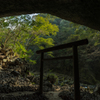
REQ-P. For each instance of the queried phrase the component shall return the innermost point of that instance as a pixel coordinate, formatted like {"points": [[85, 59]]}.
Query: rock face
{"points": [[11, 81], [85, 12]]}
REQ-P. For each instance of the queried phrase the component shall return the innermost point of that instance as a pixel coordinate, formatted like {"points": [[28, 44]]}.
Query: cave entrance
{"points": [[74, 45]]}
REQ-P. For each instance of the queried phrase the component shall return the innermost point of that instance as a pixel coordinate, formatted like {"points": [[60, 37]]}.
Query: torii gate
{"points": [[75, 63]]}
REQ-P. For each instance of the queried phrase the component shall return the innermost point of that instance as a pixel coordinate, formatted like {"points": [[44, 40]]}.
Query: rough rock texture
{"points": [[85, 12], [65, 95], [32, 96], [15, 87], [12, 83], [9, 59]]}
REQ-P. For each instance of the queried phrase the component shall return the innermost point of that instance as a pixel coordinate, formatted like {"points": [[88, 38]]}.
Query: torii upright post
{"points": [[41, 74], [76, 74]]}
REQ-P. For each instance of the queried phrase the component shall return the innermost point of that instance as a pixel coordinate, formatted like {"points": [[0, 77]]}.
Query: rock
{"points": [[26, 79], [31, 78], [97, 89], [15, 73], [4, 82], [36, 80], [0, 67], [48, 84], [71, 82], [88, 96], [56, 88], [65, 95], [45, 88], [65, 81]]}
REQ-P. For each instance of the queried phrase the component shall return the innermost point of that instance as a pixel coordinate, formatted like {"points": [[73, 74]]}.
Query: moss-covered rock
{"points": [[52, 78]]}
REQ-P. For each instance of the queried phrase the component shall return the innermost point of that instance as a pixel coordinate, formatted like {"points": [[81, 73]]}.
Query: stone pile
{"points": [[9, 82], [66, 95], [9, 58]]}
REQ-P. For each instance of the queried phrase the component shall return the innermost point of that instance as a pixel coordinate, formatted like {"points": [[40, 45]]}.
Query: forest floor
{"points": [[14, 87]]}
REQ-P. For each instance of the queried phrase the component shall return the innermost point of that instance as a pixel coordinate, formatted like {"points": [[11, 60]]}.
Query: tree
{"points": [[23, 32]]}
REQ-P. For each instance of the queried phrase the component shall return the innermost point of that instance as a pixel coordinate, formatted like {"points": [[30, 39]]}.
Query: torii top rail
{"points": [[75, 63]]}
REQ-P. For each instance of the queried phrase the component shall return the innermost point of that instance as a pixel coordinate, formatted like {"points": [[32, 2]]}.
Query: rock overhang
{"points": [[84, 12]]}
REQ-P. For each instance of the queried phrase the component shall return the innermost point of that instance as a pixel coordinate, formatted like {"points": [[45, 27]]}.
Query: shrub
{"points": [[52, 78]]}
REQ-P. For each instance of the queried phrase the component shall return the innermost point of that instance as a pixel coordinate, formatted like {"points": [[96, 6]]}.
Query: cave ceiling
{"points": [[84, 12]]}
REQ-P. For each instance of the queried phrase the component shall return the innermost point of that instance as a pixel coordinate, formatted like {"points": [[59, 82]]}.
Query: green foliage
{"points": [[44, 27], [23, 32], [50, 70], [33, 83], [62, 83], [31, 73], [32, 61]]}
